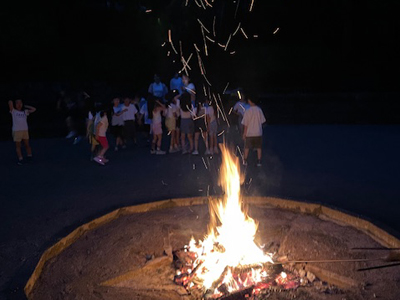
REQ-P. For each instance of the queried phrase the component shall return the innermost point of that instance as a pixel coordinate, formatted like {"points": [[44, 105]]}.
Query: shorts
{"points": [[157, 128], [187, 126], [213, 127], [253, 142], [103, 141], [117, 130], [200, 125], [170, 123], [20, 135]]}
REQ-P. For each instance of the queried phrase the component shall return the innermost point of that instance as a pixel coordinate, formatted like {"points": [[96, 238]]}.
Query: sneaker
{"points": [[116, 148], [20, 162], [99, 160], [77, 140], [195, 152], [71, 134], [160, 152], [259, 163], [152, 151], [244, 162], [207, 152]]}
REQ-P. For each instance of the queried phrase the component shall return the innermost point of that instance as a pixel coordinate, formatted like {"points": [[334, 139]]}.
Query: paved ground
{"points": [[355, 168]]}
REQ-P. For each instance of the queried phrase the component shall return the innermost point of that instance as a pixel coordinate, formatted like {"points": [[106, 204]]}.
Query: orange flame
{"points": [[230, 239]]}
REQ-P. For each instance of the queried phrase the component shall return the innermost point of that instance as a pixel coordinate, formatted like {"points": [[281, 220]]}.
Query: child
{"points": [[117, 123], [101, 130], [212, 127], [253, 119], [200, 128], [187, 125], [20, 127], [239, 109], [157, 128], [171, 115]]}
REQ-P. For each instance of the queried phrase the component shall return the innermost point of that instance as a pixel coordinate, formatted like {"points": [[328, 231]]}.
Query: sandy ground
{"points": [[355, 168], [121, 247]]}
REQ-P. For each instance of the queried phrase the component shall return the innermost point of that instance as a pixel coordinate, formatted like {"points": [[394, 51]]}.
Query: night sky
{"points": [[321, 45]]}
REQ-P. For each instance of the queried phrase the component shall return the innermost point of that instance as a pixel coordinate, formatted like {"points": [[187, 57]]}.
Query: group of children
{"points": [[183, 116]]}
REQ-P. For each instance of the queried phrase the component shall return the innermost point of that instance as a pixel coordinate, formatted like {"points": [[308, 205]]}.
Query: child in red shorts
{"points": [[101, 137]]}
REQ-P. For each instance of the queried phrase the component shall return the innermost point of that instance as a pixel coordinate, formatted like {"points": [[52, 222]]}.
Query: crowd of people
{"points": [[176, 113]]}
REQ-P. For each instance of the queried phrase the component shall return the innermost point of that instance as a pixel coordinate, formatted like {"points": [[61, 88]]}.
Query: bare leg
{"points": [[183, 141], [103, 151], [27, 147], [158, 141], [18, 149], [177, 132], [246, 153], [215, 144], [196, 141], [190, 137], [173, 142], [259, 153], [205, 138], [153, 143]]}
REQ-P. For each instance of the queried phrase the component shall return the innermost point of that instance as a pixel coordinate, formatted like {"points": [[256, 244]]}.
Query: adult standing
{"points": [[158, 89], [189, 88], [117, 123], [129, 117], [176, 83]]}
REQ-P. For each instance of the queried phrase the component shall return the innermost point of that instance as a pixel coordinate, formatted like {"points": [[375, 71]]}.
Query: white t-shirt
{"points": [[253, 119], [19, 119], [104, 126], [241, 107], [117, 120], [129, 115], [211, 113]]}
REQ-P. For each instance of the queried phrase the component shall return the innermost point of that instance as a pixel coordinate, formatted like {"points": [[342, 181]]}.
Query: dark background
{"points": [[330, 61]]}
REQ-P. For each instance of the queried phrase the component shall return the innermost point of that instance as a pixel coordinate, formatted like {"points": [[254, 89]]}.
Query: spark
{"points": [[237, 6], [148, 11], [276, 30], [255, 36], [170, 41], [240, 96], [221, 45], [233, 52], [251, 6], [205, 42], [215, 17], [226, 87], [169, 132], [197, 3], [227, 43], [244, 33], [168, 53], [240, 152], [204, 90], [194, 166], [221, 133], [202, 4], [163, 44], [230, 111], [227, 121], [202, 25], [186, 4], [202, 116], [237, 29], [244, 109], [162, 181], [190, 90], [207, 3], [204, 162], [210, 39], [191, 211], [197, 49], [208, 190]]}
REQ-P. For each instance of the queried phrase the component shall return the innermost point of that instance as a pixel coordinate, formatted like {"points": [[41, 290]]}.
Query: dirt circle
{"points": [[108, 262]]}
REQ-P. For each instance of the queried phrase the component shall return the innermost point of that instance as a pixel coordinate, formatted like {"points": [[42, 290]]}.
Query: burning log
{"points": [[210, 291]]}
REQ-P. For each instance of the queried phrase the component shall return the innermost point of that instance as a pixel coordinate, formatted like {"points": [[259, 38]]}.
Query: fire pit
{"points": [[211, 249]]}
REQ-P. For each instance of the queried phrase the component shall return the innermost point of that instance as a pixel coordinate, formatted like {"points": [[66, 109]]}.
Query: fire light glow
{"points": [[229, 243]]}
